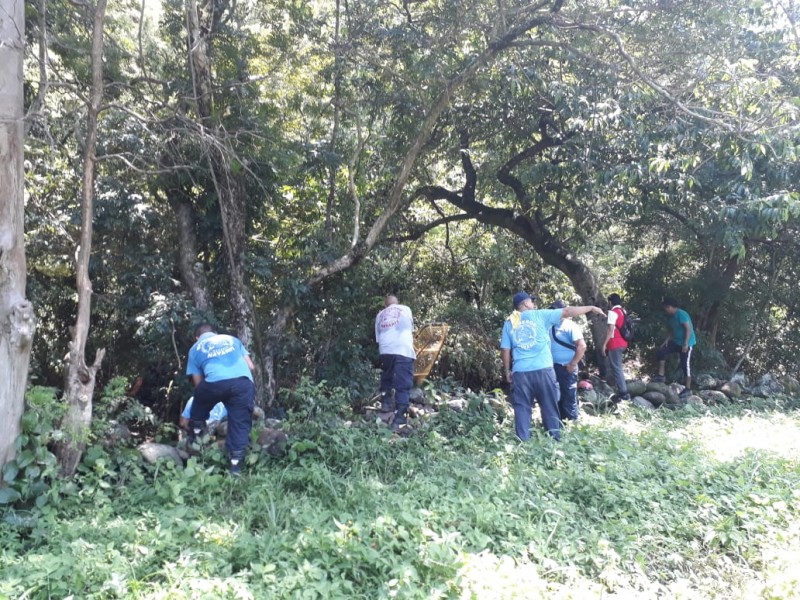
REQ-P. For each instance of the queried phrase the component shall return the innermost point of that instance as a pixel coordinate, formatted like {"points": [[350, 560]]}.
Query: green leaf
{"points": [[8, 495]]}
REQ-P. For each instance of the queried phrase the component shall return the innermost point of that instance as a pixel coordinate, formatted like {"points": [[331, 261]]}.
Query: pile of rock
{"points": [[710, 391]]}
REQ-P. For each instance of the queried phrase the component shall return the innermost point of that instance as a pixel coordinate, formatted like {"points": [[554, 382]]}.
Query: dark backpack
{"points": [[628, 328]]}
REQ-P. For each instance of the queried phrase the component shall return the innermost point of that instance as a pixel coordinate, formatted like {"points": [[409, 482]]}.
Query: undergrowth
{"points": [[635, 503]]}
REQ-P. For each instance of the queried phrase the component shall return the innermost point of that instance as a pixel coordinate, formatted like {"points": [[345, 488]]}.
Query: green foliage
{"points": [[638, 502], [28, 479]]}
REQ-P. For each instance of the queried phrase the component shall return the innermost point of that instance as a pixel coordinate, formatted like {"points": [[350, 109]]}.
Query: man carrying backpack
{"points": [[615, 345], [681, 339], [567, 347]]}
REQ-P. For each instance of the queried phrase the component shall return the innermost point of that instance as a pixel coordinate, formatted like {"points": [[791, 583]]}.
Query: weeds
{"points": [[461, 509]]}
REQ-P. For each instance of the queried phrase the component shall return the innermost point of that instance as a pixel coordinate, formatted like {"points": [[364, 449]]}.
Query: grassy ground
{"points": [[645, 505]]}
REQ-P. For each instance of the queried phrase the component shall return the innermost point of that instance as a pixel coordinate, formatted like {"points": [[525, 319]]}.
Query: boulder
{"points": [[153, 452], [791, 386], [713, 397], [662, 388], [741, 379], [694, 400], [601, 387], [732, 390], [636, 388], [272, 423], [655, 398], [642, 403], [589, 396], [258, 413], [417, 396], [704, 381], [272, 441], [220, 430], [767, 386], [457, 404]]}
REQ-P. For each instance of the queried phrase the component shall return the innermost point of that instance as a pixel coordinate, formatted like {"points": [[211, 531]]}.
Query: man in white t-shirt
{"points": [[394, 332]]}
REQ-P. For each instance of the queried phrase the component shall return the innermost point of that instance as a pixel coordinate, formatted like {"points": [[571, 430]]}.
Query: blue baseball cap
{"points": [[520, 297], [558, 304]]}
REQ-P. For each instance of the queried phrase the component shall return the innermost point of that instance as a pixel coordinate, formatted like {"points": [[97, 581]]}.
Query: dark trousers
{"points": [[672, 347], [529, 387], [238, 396], [568, 388], [397, 373]]}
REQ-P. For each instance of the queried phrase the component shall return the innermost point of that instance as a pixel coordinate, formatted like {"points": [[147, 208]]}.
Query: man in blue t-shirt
{"points": [[221, 371], [568, 347], [525, 341], [681, 338]]}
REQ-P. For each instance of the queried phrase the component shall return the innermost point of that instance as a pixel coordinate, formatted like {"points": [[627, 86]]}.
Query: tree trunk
{"points": [[17, 323], [80, 379], [191, 270], [230, 187]]}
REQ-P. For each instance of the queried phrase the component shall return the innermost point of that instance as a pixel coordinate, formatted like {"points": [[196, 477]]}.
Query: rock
{"points": [[661, 388], [655, 398], [694, 400], [258, 413], [417, 396], [219, 429], [791, 386], [704, 381], [589, 409], [272, 423], [731, 389], [643, 403], [458, 404], [767, 386], [272, 441], [636, 388], [713, 397], [601, 387], [741, 379], [119, 435], [153, 452], [589, 396]]}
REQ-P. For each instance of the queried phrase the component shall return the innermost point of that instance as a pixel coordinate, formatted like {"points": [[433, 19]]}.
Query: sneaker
{"points": [[658, 379], [685, 393], [235, 467]]}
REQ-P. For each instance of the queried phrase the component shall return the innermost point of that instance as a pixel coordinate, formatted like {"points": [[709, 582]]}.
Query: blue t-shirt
{"points": [[218, 413], [676, 322], [569, 332], [218, 357], [529, 342]]}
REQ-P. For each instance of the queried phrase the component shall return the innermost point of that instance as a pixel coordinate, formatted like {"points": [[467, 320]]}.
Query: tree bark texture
{"points": [[191, 270], [17, 322], [80, 378], [231, 190]]}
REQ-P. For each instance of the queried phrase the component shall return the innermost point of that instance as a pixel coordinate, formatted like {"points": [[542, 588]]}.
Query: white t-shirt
{"points": [[394, 331]]}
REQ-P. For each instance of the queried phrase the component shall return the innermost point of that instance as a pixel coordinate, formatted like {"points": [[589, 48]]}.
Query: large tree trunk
{"points": [[230, 187], [80, 378], [17, 323], [192, 271]]}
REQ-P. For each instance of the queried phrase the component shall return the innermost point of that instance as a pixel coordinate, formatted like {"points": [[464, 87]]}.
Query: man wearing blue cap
{"points": [[526, 342], [568, 347]]}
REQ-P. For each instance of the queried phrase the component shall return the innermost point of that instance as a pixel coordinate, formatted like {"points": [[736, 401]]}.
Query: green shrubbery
{"points": [[623, 503]]}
